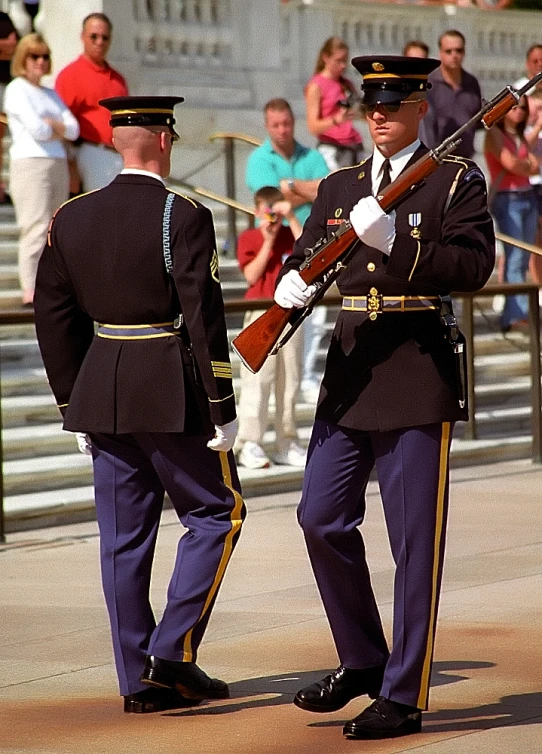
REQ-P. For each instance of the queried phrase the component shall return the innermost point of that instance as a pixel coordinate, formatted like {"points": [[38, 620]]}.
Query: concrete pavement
{"points": [[268, 636]]}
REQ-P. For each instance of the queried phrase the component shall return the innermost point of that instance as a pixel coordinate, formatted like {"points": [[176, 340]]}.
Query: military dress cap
{"points": [[142, 111], [393, 78]]}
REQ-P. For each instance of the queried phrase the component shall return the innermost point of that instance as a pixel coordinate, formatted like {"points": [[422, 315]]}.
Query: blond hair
{"points": [[30, 44]]}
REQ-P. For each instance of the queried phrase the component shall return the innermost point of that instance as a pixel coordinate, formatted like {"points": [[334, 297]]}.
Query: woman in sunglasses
{"points": [[39, 123], [513, 202]]}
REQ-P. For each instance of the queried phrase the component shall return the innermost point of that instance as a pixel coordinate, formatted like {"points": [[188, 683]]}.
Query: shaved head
{"points": [[144, 148]]}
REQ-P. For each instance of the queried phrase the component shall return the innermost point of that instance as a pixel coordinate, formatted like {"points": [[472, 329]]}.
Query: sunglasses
{"points": [[389, 107], [35, 56], [103, 37]]}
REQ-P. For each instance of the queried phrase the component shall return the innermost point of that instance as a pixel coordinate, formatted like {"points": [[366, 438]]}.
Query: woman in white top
{"points": [[39, 123]]}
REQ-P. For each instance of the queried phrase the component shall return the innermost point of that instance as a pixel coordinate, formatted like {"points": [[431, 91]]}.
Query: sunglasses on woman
{"points": [[389, 107], [42, 56]]}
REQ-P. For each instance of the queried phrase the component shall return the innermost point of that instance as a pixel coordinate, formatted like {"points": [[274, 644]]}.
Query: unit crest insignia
{"points": [[378, 67]]}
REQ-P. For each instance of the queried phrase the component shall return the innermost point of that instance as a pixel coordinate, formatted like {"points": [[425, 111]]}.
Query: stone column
{"points": [[60, 23]]}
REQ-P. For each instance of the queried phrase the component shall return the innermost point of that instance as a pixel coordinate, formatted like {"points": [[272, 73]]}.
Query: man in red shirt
{"points": [[261, 253], [82, 84]]}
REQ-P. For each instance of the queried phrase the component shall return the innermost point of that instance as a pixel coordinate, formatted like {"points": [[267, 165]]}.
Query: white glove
{"points": [[224, 436], [292, 291], [83, 443], [372, 225]]}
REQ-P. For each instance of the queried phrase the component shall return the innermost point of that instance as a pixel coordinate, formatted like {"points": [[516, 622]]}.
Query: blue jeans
{"points": [[516, 215]]}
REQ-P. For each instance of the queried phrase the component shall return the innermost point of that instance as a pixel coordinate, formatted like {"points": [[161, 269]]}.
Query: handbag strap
{"points": [[495, 187]]}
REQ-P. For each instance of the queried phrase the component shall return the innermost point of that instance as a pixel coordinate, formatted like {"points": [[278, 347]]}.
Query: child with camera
{"points": [[261, 253]]}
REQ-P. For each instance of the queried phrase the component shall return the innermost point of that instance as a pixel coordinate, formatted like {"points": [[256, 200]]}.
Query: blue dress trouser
{"points": [[412, 468], [131, 473]]}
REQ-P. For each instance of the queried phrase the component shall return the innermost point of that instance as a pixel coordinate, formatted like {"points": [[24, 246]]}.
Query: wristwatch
{"points": [[290, 183]]}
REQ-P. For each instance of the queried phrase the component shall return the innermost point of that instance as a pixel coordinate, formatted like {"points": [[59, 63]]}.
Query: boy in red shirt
{"points": [[261, 252]]}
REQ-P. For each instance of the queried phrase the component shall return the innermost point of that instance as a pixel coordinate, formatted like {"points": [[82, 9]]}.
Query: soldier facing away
{"points": [[152, 390]]}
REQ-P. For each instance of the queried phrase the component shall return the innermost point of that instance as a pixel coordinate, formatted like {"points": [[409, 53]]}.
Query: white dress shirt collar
{"points": [[397, 163], [136, 171]]}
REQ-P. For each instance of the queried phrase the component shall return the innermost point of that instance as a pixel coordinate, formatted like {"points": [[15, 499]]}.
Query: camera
{"points": [[344, 102], [270, 215]]}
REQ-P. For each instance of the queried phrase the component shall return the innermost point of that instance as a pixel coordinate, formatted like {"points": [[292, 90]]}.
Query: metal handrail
{"points": [[237, 137], [26, 316], [229, 139], [520, 244], [200, 191]]}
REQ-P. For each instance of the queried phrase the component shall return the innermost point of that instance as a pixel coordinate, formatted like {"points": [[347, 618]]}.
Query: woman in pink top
{"points": [[331, 106], [514, 207]]}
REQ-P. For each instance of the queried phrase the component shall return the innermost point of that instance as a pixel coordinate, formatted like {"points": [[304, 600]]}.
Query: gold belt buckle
{"points": [[374, 303]]}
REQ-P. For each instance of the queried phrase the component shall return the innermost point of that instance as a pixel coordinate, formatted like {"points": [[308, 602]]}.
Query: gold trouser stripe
{"points": [[236, 522], [439, 525]]}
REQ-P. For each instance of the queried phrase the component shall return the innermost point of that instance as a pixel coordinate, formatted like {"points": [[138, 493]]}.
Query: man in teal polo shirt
{"points": [[282, 162], [296, 170]]}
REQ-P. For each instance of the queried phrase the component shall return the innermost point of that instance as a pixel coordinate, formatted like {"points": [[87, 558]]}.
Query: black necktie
{"points": [[386, 177]]}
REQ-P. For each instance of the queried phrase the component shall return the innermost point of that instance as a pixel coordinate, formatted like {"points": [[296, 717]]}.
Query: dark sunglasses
{"points": [[95, 37], [389, 107], [35, 56]]}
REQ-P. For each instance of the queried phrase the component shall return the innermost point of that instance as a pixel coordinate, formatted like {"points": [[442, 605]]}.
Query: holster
{"points": [[457, 341]]}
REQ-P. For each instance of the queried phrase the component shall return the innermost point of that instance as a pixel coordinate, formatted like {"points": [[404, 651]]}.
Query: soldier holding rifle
{"points": [[389, 398]]}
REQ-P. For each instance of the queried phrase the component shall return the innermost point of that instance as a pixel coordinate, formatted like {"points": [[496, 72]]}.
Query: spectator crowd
{"points": [[61, 145]]}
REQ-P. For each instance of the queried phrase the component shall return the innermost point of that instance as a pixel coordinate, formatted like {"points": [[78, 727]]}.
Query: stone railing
{"points": [[496, 41], [236, 54]]}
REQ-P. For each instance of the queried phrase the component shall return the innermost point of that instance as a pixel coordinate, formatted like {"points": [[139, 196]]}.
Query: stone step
{"points": [[20, 410], [50, 508], [37, 441], [47, 473]]}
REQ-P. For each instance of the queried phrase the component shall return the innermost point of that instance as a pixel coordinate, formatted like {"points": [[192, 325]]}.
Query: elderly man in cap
{"points": [[389, 398], [152, 391]]}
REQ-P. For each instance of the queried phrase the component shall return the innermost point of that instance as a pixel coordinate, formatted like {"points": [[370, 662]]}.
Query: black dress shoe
{"points": [[384, 719], [156, 700], [338, 688], [185, 677]]}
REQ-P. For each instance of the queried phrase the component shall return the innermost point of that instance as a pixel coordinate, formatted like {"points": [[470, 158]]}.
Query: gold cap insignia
{"points": [[377, 67]]}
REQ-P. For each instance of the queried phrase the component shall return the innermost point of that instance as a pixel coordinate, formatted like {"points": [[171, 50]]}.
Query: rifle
{"points": [[326, 259]]}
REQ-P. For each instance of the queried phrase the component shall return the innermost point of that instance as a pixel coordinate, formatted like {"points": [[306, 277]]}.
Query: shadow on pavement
{"points": [[281, 689]]}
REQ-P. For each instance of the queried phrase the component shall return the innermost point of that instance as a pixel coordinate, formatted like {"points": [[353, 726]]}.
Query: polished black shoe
{"points": [[384, 719], [156, 700], [337, 689], [185, 677]]}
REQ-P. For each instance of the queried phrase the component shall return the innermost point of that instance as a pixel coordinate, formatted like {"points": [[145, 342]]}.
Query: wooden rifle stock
{"points": [[255, 342]]}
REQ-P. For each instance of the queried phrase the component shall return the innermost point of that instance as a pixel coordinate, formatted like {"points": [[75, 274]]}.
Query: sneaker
{"points": [[252, 456], [294, 455]]}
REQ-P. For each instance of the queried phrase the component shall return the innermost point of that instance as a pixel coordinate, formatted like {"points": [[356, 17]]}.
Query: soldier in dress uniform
{"points": [[389, 398], [152, 390]]}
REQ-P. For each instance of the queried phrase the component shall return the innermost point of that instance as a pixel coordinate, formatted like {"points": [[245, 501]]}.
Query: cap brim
{"points": [[383, 96]]}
